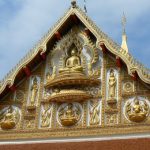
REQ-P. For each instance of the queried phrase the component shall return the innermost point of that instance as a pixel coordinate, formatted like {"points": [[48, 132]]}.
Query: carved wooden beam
{"points": [[135, 76], [58, 35], [118, 62], [43, 56], [87, 31], [13, 88], [27, 71], [104, 49]]}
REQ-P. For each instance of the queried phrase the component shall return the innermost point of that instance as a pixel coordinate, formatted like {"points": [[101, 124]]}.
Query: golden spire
{"points": [[124, 36]]}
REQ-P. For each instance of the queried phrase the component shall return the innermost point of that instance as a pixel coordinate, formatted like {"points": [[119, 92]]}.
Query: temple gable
{"points": [[76, 86]]}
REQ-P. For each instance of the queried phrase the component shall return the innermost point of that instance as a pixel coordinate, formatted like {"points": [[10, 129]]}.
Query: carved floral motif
{"points": [[94, 112], [46, 115]]}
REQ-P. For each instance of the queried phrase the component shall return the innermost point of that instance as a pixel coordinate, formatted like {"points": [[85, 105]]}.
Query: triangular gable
{"points": [[85, 86], [134, 67]]}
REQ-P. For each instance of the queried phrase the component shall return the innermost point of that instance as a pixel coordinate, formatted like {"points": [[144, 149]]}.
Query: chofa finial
{"points": [[73, 3]]}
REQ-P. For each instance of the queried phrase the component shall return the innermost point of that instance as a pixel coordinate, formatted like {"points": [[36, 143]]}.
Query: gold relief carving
{"points": [[93, 73], [69, 95], [97, 72], [10, 117], [19, 96], [46, 93], [137, 110], [111, 110], [73, 62], [111, 119], [90, 71], [29, 124], [69, 114], [34, 92], [112, 82], [94, 112], [64, 86], [46, 115], [51, 76], [128, 87]]}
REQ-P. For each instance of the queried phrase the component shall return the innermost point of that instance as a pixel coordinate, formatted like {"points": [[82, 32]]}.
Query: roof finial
{"points": [[124, 21], [124, 36], [85, 9], [73, 3]]}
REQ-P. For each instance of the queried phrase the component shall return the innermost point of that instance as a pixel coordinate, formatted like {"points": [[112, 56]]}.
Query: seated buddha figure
{"points": [[73, 63], [139, 112], [8, 121], [69, 116], [137, 108]]}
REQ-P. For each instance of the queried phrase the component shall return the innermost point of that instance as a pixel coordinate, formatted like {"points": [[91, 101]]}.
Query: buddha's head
{"points": [[35, 81], [70, 106], [112, 73], [136, 101], [73, 52], [9, 110]]}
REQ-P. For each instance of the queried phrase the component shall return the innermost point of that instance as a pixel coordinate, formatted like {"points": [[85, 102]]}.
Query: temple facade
{"points": [[76, 85]]}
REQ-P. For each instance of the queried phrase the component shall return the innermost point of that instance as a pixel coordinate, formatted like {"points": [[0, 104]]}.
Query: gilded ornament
{"points": [[128, 87], [69, 95], [95, 113], [46, 116], [69, 115], [72, 63], [51, 76], [10, 118], [137, 111], [34, 92], [112, 82], [112, 119], [90, 71]]}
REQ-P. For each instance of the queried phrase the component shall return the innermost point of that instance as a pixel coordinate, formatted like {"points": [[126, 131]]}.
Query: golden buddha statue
{"points": [[69, 116], [112, 86], [34, 91], [73, 63], [9, 119], [136, 111], [94, 114]]}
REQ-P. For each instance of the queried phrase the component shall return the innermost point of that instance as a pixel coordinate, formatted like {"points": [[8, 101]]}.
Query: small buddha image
{"points": [[112, 82], [46, 116], [10, 118], [137, 111], [51, 76], [73, 62], [95, 113], [34, 92], [69, 115]]}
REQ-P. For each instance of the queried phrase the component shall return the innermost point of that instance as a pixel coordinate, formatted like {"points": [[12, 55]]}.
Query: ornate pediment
{"points": [[81, 87]]}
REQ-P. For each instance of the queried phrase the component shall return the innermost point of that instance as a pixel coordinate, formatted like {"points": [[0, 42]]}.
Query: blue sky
{"points": [[24, 22]]}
